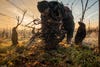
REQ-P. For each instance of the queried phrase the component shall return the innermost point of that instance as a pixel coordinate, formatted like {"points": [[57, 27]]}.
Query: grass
{"points": [[36, 56]]}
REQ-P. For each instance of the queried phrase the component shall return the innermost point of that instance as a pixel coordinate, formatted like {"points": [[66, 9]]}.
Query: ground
{"points": [[37, 56]]}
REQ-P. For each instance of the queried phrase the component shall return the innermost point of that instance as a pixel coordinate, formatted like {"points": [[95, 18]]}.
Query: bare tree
{"points": [[81, 32], [14, 37], [86, 7]]}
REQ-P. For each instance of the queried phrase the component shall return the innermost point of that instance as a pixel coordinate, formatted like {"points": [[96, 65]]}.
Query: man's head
{"points": [[43, 7], [81, 24]]}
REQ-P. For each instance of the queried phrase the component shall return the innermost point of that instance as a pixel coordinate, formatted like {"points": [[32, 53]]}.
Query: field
{"points": [[31, 33], [36, 56]]}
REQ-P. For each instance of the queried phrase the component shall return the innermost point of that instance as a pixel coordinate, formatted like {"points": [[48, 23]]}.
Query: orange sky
{"points": [[8, 20], [11, 12]]}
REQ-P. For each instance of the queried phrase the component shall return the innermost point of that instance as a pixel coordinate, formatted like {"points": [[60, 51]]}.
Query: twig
{"points": [[18, 21], [92, 5]]}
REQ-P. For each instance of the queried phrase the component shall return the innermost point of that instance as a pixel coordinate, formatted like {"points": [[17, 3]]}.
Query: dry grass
{"points": [[36, 56]]}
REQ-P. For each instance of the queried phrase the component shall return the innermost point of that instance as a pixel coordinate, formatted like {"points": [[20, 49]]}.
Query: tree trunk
{"points": [[14, 37]]}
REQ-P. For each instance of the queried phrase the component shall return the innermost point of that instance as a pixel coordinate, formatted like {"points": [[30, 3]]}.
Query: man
{"points": [[51, 14], [81, 33]]}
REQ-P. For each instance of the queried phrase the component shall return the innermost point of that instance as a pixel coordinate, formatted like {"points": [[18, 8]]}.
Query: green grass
{"points": [[12, 56], [62, 57]]}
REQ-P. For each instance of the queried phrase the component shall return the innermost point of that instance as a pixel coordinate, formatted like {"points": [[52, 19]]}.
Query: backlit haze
{"points": [[8, 12]]}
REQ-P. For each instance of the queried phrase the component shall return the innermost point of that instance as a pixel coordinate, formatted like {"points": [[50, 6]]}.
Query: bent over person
{"points": [[51, 14]]}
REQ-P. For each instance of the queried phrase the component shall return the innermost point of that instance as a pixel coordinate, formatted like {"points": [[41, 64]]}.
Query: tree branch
{"points": [[92, 5], [83, 14]]}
